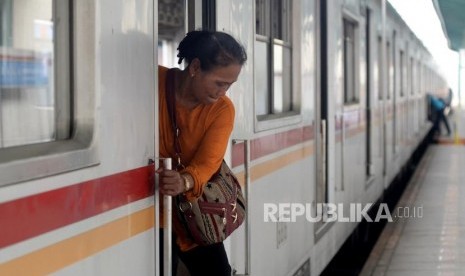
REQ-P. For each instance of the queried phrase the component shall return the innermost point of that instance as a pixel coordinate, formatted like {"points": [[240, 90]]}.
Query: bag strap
{"points": [[170, 95]]}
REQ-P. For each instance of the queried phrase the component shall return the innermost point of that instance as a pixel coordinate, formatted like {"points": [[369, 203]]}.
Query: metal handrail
{"points": [[167, 231], [164, 163]]}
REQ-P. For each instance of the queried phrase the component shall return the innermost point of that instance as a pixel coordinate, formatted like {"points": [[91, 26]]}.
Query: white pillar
{"points": [[461, 66]]}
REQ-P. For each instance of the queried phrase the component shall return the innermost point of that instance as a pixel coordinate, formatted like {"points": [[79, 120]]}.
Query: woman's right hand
{"points": [[171, 182]]}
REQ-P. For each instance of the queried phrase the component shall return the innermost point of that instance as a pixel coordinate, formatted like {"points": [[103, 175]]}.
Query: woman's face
{"points": [[209, 86]]}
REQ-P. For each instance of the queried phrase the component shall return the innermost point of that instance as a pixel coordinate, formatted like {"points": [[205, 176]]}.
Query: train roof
{"points": [[392, 12]]}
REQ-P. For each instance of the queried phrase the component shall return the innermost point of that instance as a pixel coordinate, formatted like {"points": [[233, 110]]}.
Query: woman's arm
{"points": [[207, 159]]}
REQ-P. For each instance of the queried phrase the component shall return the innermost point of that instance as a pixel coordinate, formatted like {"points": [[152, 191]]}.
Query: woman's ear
{"points": [[194, 67]]}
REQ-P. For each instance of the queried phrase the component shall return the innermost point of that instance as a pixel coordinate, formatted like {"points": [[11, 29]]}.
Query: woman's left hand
{"points": [[171, 182]]}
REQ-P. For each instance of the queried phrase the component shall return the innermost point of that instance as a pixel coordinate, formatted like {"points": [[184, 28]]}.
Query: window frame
{"points": [[76, 146], [411, 77], [353, 19], [274, 119], [402, 71], [381, 67], [349, 61], [389, 69]]}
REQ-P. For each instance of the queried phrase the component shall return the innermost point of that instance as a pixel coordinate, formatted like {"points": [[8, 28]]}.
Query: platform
{"points": [[457, 124], [433, 243]]}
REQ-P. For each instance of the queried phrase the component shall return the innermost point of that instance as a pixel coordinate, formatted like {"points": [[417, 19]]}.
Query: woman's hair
{"points": [[212, 49]]}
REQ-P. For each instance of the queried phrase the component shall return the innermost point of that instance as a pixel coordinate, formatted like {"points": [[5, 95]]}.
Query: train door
{"points": [[321, 118], [368, 111], [387, 109], [381, 110], [383, 76], [394, 94], [383, 83]]}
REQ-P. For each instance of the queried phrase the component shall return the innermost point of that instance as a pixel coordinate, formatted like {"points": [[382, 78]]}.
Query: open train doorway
{"points": [[172, 27], [175, 19]]}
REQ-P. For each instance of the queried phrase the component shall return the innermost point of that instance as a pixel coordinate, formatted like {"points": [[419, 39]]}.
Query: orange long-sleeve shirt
{"points": [[204, 136]]}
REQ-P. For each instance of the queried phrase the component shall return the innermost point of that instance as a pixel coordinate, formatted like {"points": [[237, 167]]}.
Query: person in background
{"points": [[448, 102], [205, 117], [438, 106]]}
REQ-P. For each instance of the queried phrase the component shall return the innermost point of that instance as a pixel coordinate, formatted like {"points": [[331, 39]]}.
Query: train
{"points": [[330, 106]]}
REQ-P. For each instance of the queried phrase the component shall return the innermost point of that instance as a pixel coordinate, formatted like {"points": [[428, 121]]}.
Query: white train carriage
{"points": [[78, 201], [329, 107]]}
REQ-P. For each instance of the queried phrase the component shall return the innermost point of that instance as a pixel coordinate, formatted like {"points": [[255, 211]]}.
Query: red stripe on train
{"points": [[272, 143], [37, 214]]}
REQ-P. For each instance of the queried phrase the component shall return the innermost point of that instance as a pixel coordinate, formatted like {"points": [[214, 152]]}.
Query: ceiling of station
{"points": [[452, 16]]}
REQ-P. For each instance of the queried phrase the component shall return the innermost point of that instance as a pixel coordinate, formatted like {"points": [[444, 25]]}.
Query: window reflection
{"points": [[261, 79], [27, 108], [273, 58]]}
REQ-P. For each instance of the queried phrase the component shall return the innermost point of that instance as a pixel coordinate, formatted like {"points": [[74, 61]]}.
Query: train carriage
{"points": [[330, 107]]}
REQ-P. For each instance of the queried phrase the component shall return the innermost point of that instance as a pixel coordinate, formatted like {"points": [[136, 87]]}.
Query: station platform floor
{"points": [[429, 238], [457, 125]]}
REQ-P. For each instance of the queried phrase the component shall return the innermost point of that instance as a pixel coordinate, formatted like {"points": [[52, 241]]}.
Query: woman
{"points": [[205, 117]]}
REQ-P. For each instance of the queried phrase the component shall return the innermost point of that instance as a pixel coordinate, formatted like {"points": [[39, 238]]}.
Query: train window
{"points": [[421, 82], [412, 76], [401, 72], [44, 120], [389, 71], [351, 94], [380, 68], [273, 59], [28, 90], [419, 78]]}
